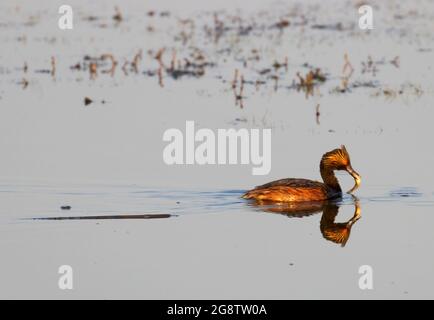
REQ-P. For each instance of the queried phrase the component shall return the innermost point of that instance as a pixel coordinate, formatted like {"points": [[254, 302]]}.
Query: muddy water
{"points": [[104, 160]]}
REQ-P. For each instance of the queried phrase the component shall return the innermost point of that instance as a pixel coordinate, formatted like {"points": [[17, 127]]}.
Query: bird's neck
{"points": [[329, 178]]}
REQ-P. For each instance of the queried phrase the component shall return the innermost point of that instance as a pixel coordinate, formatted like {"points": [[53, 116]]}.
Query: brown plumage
{"points": [[295, 190]]}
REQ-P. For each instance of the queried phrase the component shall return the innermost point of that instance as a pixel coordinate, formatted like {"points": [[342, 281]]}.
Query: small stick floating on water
{"points": [[160, 76], [235, 81], [111, 217], [159, 56], [53, 66], [136, 60]]}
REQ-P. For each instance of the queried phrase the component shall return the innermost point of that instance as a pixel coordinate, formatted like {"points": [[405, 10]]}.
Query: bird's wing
{"points": [[293, 183]]}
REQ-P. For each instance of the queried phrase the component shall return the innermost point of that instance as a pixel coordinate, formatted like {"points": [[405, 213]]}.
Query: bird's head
{"points": [[339, 159]]}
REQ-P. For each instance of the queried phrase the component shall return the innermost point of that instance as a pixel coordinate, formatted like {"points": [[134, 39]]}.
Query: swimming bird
{"points": [[297, 190]]}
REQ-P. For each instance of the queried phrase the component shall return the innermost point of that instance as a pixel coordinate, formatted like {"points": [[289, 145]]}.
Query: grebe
{"points": [[296, 190]]}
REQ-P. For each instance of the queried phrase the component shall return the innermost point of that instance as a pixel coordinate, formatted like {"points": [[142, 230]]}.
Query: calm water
{"points": [[213, 242], [105, 159]]}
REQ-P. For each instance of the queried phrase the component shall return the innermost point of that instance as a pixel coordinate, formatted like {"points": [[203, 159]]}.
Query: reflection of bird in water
{"points": [[337, 232], [296, 190]]}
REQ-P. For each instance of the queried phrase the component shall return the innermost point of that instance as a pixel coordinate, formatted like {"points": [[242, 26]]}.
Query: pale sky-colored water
{"points": [[106, 158]]}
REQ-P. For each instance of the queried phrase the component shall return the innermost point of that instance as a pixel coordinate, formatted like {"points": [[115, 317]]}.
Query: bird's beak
{"points": [[356, 177]]}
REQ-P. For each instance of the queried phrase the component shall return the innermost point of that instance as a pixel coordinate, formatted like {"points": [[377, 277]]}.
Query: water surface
{"points": [[137, 228]]}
